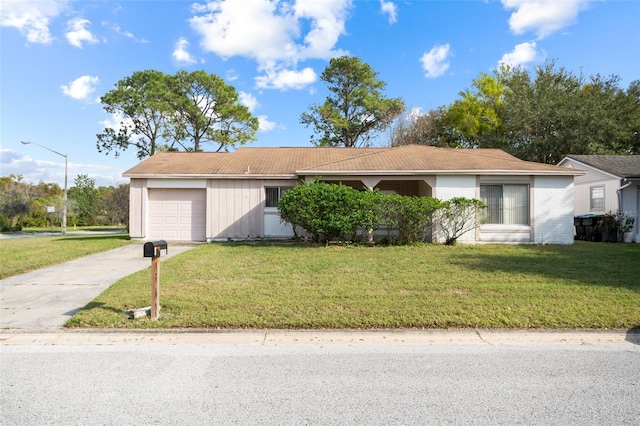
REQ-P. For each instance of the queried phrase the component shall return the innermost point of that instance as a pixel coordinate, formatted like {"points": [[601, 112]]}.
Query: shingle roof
{"points": [[623, 166], [410, 159]]}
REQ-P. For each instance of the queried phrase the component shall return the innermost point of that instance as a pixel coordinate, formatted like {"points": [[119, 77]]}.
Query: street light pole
{"points": [[64, 198]]}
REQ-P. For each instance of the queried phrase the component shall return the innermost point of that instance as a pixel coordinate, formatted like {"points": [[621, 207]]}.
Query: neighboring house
{"points": [[610, 183], [201, 196]]}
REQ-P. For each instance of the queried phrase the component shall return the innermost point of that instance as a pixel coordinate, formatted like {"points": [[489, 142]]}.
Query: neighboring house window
{"points": [[597, 198], [506, 204], [273, 195]]}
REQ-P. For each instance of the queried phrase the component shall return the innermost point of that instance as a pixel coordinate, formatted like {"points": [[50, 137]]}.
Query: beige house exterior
{"points": [[183, 196], [610, 183]]}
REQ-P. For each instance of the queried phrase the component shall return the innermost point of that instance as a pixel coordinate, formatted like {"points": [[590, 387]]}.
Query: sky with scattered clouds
{"points": [[57, 57]]}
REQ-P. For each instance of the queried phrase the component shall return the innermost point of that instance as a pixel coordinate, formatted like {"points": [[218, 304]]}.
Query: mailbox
{"points": [[155, 248]]}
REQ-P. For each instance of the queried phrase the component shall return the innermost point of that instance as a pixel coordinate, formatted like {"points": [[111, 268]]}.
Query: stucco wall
{"points": [[448, 187], [553, 210]]}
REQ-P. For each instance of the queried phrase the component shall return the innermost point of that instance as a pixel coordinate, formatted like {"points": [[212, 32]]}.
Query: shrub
{"points": [[412, 216], [458, 216], [324, 210]]}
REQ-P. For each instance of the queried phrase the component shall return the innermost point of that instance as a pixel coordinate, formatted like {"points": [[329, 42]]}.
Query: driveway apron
{"points": [[46, 298]]}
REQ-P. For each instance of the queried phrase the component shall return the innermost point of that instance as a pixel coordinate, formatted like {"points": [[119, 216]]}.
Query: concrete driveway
{"points": [[43, 300]]}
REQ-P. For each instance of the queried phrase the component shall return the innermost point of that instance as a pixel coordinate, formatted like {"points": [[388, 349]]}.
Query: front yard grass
{"points": [[22, 255], [230, 286]]}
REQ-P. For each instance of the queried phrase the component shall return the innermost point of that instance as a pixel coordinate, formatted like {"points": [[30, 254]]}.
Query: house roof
{"points": [[622, 166], [292, 162]]}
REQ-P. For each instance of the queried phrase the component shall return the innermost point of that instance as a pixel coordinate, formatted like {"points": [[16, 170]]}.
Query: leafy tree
{"points": [[475, 119], [114, 202], [421, 129], [355, 108], [206, 110], [167, 112], [16, 199], [140, 102], [546, 114], [85, 196]]}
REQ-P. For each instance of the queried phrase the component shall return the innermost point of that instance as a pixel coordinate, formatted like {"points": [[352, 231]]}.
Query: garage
{"points": [[177, 214]]}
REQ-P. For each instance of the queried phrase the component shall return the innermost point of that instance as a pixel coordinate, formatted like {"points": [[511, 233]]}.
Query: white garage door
{"points": [[177, 214]]}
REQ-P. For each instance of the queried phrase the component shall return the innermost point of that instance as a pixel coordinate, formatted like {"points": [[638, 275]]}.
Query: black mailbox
{"points": [[155, 248]]}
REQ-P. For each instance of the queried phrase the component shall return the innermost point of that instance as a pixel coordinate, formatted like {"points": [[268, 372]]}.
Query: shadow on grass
{"points": [[597, 264], [97, 237], [97, 305]]}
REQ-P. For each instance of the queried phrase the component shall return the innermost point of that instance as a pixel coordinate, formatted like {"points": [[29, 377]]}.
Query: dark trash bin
{"points": [[585, 225]]}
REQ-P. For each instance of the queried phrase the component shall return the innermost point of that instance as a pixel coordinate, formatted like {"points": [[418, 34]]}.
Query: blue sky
{"points": [[57, 57]]}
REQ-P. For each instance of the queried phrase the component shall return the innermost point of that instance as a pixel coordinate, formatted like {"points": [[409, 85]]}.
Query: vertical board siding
{"points": [[236, 207], [137, 197]]}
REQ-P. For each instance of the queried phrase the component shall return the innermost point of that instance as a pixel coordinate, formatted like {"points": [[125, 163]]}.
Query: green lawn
{"points": [[21, 255], [586, 285]]}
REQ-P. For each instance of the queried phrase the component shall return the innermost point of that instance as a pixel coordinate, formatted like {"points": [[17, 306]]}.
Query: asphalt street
{"points": [[315, 378]]}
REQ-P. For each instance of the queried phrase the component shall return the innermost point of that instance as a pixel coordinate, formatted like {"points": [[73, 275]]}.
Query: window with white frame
{"points": [[507, 204], [273, 195], [597, 198]]}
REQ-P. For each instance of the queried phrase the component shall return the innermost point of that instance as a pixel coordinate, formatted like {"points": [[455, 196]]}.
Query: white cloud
{"points": [[180, 54], [77, 33], [522, 54], [390, 9], [31, 17], [81, 87], [435, 62], [272, 33], [264, 124], [286, 79], [543, 17], [248, 100]]}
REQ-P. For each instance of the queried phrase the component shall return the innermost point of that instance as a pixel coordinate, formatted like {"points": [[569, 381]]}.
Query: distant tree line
{"points": [[26, 205]]}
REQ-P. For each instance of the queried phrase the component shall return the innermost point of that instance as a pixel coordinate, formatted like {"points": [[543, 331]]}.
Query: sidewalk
{"points": [[320, 337], [43, 300]]}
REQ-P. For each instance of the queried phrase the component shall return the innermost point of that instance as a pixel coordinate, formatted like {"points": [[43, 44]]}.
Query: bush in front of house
{"points": [[335, 211], [324, 210], [458, 216]]}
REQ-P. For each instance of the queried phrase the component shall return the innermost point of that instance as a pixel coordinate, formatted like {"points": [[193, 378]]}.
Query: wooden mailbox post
{"points": [[154, 250]]}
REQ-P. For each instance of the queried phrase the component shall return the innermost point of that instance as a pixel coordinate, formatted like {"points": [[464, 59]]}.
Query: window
{"points": [[273, 195], [506, 204], [597, 198]]}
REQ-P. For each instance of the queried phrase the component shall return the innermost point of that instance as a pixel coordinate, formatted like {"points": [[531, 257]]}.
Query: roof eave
{"points": [[210, 176], [439, 172]]}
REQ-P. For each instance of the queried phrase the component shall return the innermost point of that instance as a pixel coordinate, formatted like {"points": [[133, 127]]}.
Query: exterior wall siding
{"points": [[583, 196], [137, 208], [553, 213], [235, 207], [584, 183]]}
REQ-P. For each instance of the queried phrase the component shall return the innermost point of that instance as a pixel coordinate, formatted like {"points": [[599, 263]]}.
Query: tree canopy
{"points": [[355, 107], [539, 115], [156, 111]]}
